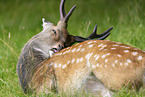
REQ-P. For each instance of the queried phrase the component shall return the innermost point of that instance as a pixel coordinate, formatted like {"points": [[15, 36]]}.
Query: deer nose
{"points": [[61, 46]]}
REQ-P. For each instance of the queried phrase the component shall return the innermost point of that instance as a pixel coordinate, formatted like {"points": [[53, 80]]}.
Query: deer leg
{"points": [[95, 87]]}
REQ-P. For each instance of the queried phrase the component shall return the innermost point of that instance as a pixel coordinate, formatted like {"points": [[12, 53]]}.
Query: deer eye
{"points": [[54, 32]]}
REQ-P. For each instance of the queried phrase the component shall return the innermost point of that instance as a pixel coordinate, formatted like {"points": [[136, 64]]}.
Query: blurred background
{"points": [[22, 19]]}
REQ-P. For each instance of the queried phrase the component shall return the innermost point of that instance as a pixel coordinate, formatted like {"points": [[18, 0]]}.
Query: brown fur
{"points": [[72, 76]]}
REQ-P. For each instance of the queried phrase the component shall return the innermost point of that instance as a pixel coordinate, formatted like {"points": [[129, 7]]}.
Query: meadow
{"points": [[21, 19]]}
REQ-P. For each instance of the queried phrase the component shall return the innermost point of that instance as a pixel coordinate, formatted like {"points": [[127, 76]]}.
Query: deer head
{"points": [[93, 65]]}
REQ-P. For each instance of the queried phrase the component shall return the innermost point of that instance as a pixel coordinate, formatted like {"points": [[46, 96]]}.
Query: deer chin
{"points": [[51, 53]]}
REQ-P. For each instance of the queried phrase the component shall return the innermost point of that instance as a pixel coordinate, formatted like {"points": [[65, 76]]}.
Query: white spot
{"points": [[88, 55], [100, 65], [73, 60], [93, 66], [88, 58], [106, 60], [118, 42], [128, 60], [139, 57], [95, 55], [68, 51], [59, 65], [55, 65], [97, 58], [122, 46], [68, 62], [64, 52], [103, 47], [100, 45], [113, 64], [121, 64], [51, 64], [89, 42], [80, 46], [105, 65], [119, 55], [63, 66], [112, 48], [115, 45], [81, 59], [116, 61], [78, 49], [108, 54], [94, 41], [73, 50], [126, 51], [67, 48], [134, 53], [77, 60], [126, 64], [90, 46], [127, 47], [103, 56], [97, 65], [82, 49]]}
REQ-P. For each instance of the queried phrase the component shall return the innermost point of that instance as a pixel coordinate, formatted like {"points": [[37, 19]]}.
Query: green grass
{"points": [[22, 19]]}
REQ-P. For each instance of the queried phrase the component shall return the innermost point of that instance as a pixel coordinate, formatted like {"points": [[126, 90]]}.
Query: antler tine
{"points": [[100, 36], [62, 10], [63, 16], [94, 33], [69, 14], [103, 37]]}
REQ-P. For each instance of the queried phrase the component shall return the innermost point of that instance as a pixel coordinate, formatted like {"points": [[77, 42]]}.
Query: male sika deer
{"points": [[43, 45], [92, 66]]}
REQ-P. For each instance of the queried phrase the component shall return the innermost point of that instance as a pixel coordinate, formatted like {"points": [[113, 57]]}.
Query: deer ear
{"points": [[46, 23]]}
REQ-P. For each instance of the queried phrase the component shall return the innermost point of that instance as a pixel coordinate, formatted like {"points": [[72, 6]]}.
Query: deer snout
{"points": [[58, 48]]}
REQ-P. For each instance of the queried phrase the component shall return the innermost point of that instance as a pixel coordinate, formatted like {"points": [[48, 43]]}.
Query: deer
{"points": [[49, 41], [93, 66]]}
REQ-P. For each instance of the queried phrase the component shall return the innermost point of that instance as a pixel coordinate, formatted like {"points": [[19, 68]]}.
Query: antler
{"points": [[101, 36], [63, 16], [73, 39]]}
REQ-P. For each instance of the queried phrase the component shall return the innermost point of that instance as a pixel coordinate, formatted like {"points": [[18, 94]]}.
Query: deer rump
{"points": [[70, 70]]}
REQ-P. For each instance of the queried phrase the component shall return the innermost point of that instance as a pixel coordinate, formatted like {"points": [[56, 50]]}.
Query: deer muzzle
{"points": [[55, 50]]}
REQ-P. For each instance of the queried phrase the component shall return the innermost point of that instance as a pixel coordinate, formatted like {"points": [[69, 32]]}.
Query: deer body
{"points": [[42, 46], [112, 63]]}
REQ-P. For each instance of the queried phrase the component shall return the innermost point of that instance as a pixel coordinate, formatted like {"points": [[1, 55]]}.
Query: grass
{"points": [[21, 19]]}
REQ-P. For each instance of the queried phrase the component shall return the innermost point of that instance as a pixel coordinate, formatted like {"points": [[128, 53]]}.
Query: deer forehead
{"points": [[48, 26]]}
